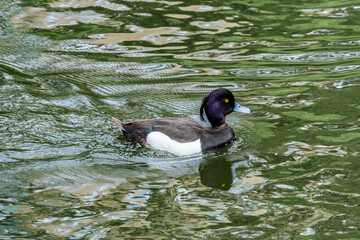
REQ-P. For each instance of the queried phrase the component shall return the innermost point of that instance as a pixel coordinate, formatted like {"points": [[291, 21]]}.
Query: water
{"points": [[67, 67]]}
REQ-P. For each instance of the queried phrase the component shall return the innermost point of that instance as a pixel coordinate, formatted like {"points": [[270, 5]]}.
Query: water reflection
{"points": [[41, 18], [87, 3], [216, 173]]}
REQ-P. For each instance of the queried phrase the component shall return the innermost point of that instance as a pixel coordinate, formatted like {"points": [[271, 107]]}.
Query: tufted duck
{"points": [[185, 136]]}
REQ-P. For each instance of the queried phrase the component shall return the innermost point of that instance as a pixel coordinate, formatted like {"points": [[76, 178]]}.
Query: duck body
{"points": [[182, 136], [179, 136]]}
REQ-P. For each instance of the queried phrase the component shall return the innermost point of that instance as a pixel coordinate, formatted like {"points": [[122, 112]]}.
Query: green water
{"points": [[68, 66]]}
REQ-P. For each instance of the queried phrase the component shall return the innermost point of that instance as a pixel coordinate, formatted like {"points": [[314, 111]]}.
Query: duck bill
{"points": [[241, 109]]}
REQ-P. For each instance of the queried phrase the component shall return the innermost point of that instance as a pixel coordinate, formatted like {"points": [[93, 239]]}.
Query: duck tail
{"points": [[118, 123]]}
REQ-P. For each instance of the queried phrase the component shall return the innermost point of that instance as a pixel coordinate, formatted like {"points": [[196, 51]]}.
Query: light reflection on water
{"points": [[67, 67]]}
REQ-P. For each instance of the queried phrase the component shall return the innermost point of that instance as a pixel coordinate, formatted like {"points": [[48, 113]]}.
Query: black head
{"points": [[219, 103]]}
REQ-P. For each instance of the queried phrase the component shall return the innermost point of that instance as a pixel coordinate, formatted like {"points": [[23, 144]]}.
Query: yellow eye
{"points": [[226, 100]]}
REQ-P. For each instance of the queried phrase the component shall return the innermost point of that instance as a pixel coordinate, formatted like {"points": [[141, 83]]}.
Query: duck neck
{"points": [[217, 122], [217, 127]]}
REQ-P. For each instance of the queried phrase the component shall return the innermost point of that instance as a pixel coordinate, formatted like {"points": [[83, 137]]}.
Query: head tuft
{"points": [[202, 108]]}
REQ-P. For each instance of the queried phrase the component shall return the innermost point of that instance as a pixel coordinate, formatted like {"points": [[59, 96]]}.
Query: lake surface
{"points": [[68, 66]]}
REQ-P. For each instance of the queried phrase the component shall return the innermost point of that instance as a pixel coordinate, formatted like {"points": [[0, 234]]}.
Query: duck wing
{"points": [[179, 129]]}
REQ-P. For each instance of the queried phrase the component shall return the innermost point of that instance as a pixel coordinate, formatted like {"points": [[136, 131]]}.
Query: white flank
{"points": [[161, 141]]}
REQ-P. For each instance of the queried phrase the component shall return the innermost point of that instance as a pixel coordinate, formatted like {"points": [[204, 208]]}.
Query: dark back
{"points": [[179, 129]]}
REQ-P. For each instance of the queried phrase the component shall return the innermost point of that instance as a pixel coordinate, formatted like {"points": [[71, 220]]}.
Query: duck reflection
{"points": [[216, 173]]}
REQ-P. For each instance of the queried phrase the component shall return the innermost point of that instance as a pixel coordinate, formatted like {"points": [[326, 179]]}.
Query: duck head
{"points": [[219, 103]]}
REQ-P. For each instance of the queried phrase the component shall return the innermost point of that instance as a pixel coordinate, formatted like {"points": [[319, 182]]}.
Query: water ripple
{"points": [[85, 4], [67, 66], [41, 18], [217, 55]]}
